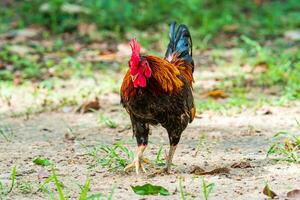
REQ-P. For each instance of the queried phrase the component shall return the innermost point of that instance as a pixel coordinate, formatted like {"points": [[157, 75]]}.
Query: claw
{"points": [[138, 161], [137, 164]]}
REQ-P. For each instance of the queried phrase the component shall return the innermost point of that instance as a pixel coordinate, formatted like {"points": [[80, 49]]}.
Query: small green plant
{"points": [[207, 188], [289, 149], [184, 195], [200, 144], [53, 179], [6, 133], [83, 195], [113, 157], [107, 121], [100, 195], [58, 185], [158, 160], [85, 189], [5, 190], [25, 187], [182, 192]]}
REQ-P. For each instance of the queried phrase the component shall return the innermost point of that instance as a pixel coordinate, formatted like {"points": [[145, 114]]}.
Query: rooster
{"points": [[159, 91]]}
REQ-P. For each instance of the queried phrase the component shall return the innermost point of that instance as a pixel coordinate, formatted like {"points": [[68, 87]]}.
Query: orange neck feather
{"points": [[185, 69], [165, 74]]}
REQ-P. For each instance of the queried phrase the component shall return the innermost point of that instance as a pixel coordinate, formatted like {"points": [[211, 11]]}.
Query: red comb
{"points": [[135, 46], [135, 56]]}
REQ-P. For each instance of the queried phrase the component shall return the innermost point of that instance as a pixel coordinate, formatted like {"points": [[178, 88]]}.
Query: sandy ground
{"points": [[229, 139]]}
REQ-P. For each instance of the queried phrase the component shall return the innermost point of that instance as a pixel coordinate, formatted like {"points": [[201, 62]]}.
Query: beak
{"points": [[133, 77]]}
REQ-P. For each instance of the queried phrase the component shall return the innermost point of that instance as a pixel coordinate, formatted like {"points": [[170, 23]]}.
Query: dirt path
{"points": [[226, 139]]}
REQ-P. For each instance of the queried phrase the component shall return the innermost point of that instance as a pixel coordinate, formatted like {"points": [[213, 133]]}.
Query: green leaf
{"points": [[13, 178], [182, 193], [149, 189], [58, 185], [85, 189], [42, 161], [280, 134], [272, 150], [158, 160], [207, 188]]}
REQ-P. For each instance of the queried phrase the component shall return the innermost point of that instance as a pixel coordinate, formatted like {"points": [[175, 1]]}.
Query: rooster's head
{"points": [[140, 70]]}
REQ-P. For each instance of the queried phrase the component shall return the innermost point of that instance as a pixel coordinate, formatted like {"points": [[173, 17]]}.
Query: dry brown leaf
{"points": [[231, 28], [107, 57], [216, 94], [268, 192], [295, 194], [68, 137], [199, 171], [89, 106], [196, 170], [260, 68], [241, 165]]}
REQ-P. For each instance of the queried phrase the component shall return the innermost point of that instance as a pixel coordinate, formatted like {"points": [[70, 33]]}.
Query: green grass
{"points": [[26, 187], [287, 149], [5, 189], [114, 157], [58, 185], [85, 189], [6, 133], [58, 190], [207, 188], [181, 190], [205, 17], [105, 120], [158, 160], [283, 69], [201, 144]]}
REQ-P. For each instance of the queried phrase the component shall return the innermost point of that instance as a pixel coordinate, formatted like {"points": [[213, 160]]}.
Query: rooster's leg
{"points": [[138, 160], [140, 131], [170, 158], [174, 137]]}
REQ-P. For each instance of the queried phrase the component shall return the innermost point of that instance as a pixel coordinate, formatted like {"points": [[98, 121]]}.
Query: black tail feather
{"points": [[180, 43]]}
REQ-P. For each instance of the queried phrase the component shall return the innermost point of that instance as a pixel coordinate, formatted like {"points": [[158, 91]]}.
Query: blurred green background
{"points": [[256, 18], [43, 41]]}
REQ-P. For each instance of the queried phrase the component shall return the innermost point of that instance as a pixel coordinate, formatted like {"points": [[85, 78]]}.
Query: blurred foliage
{"points": [[206, 17]]}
